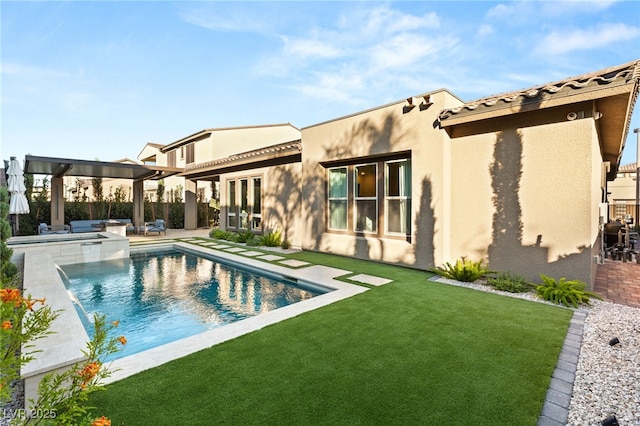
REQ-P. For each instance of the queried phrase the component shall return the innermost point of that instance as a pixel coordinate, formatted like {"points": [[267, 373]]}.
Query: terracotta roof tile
{"points": [[628, 71], [628, 168], [293, 146]]}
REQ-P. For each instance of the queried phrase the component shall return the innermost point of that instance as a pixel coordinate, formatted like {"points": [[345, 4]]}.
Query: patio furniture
{"points": [[78, 226], [44, 229], [156, 226], [128, 223]]}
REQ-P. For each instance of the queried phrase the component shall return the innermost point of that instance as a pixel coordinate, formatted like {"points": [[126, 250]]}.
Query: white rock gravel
{"points": [[607, 377]]}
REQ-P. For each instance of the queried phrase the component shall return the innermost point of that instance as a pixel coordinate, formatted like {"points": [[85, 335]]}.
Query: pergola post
{"points": [[190, 204], [138, 204], [57, 201]]}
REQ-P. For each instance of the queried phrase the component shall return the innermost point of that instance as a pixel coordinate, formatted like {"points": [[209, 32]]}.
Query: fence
{"points": [[623, 211]]}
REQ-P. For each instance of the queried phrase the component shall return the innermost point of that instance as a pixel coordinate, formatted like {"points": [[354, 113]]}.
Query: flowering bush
{"points": [[61, 396]]}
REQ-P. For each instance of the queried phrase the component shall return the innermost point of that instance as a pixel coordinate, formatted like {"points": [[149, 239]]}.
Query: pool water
{"points": [[162, 297]]}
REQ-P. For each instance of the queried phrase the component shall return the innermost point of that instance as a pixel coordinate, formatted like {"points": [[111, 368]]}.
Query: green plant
{"points": [[512, 283], [245, 236], [571, 292], [286, 244], [272, 239], [66, 393], [7, 269], [219, 234], [253, 241], [463, 270]]}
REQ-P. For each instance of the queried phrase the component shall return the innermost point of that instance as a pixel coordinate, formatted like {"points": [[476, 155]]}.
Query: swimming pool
{"points": [[163, 296]]}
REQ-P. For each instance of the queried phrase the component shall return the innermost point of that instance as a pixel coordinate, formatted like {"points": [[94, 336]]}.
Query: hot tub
{"points": [[72, 248]]}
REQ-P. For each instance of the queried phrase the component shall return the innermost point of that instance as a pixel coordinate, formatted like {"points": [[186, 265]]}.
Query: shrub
{"points": [[463, 270], [219, 234], [253, 241], [286, 244], [245, 236], [512, 283], [272, 239], [570, 292]]}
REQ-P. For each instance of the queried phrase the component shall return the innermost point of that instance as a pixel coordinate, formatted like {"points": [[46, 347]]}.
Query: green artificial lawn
{"points": [[409, 352]]}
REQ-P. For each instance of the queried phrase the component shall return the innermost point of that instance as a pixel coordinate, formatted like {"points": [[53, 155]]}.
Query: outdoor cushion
{"points": [[78, 226]]}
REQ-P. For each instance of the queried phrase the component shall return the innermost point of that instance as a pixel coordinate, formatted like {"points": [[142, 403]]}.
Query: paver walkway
{"points": [[619, 282]]}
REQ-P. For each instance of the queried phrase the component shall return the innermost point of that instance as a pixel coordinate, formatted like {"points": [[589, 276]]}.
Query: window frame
{"points": [[406, 184], [357, 197], [382, 209], [342, 199], [247, 222]]}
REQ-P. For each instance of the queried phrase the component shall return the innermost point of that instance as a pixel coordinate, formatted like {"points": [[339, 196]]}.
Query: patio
{"points": [[619, 282]]}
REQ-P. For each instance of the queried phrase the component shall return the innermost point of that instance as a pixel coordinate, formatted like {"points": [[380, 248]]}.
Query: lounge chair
{"points": [[157, 226]]}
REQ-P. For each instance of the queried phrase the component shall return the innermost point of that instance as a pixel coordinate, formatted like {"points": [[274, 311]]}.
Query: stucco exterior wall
{"points": [[523, 199], [281, 199], [526, 200], [385, 130], [226, 142]]}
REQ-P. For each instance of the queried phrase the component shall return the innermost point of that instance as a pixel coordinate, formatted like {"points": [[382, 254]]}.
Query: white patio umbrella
{"points": [[18, 203]]}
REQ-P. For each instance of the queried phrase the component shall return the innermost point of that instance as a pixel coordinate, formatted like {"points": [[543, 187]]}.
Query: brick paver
{"points": [[619, 282]]}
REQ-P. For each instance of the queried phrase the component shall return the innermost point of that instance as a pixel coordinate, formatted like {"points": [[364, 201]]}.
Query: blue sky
{"points": [[98, 80]]}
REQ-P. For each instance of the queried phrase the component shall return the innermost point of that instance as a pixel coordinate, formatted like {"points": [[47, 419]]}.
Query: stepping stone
{"points": [[271, 257], [234, 249], [294, 263], [369, 279], [251, 253], [221, 247]]}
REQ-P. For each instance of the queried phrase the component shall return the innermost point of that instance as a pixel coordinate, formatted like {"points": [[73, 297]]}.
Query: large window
{"points": [[232, 219], [366, 198], [371, 198], [338, 198], [244, 204], [398, 197], [256, 211]]}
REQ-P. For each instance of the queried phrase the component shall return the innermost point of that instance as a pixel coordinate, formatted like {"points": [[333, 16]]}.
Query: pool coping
{"points": [[314, 274]]}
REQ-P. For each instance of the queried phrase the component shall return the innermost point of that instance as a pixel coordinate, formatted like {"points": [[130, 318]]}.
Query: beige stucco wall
{"points": [[226, 142], [623, 188], [384, 130], [281, 198], [526, 200]]}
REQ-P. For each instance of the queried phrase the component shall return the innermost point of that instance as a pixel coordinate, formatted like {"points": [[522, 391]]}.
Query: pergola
{"points": [[58, 168]]}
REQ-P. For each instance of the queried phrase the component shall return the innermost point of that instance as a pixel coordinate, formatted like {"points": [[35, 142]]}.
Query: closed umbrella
{"points": [[18, 203]]}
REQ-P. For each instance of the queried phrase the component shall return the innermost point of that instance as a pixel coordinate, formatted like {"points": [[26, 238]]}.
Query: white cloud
{"points": [[484, 30], [338, 59], [528, 11], [559, 42], [19, 70], [501, 11], [402, 51], [584, 7], [390, 21], [310, 48], [212, 18]]}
